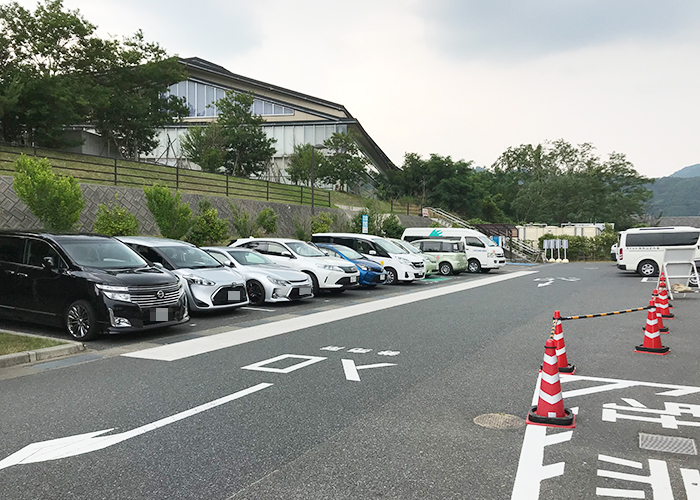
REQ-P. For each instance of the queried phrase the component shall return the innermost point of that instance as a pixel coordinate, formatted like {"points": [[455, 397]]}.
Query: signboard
{"points": [[365, 223]]}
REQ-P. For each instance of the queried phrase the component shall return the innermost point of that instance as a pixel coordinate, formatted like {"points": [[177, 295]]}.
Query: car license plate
{"points": [[353, 279], [234, 295], [382, 277], [305, 290], [159, 314]]}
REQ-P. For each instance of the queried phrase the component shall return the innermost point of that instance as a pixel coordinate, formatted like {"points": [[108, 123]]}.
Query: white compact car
{"points": [[265, 280], [210, 285], [326, 273]]}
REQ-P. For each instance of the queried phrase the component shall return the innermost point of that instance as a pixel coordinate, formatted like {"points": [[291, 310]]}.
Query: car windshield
{"points": [[305, 250], [250, 258], [186, 257], [103, 254], [348, 252], [488, 241], [388, 246], [406, 246]]}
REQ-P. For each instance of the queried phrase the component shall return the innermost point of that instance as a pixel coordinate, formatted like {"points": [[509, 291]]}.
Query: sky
{"points": [[461, 78]]}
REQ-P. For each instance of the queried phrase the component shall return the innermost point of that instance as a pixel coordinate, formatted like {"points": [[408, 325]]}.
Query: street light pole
{"points": [[313, 180]]}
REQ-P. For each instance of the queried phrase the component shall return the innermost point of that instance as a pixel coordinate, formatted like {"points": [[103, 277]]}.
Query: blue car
{"points": [[371, 273]]}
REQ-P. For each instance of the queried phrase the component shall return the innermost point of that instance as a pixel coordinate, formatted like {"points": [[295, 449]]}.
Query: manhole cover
{"points": [[499, 421], [668, 444]]}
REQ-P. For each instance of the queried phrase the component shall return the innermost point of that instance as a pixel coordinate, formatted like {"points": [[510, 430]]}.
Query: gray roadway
{"points": [[403, 431]]}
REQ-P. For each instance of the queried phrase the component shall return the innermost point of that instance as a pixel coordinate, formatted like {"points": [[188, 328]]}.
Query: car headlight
{"points": [[330, 268], [120, 293], [404, 261], [363, 267], [277, 281], [491, 255], [197, 280]]}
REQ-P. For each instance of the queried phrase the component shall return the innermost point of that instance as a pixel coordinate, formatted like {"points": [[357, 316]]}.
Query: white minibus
{"points": [[482, 253], [641, 249]]}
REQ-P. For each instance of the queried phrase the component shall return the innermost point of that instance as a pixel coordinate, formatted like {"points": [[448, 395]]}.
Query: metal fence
{"points": [[114, 172]]}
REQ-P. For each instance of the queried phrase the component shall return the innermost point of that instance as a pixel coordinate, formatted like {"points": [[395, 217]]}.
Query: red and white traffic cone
{"points": [[662, 286], [562, 362], [652, 339], [655, 298], [662, 302], [550, 409]]}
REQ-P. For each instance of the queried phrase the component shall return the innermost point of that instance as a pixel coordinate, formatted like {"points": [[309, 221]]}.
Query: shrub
{"points": [[392, 227], [172, 215], [372, 212], [207, 227], [55, 200], [302, 230], [115, 221], [264, 223], [323, 222]]}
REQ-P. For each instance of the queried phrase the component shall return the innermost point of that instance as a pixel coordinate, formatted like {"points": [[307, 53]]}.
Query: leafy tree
{"points": [[343, 164], [371, 209], [55, 200], [115, 220], [239, 142], [322, 222], [55, 72], [207, 227], [299, 169], [172, 215], [392, 227]]}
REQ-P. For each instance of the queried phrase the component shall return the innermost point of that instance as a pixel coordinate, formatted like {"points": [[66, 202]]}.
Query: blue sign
{"points": [[365, 223]]}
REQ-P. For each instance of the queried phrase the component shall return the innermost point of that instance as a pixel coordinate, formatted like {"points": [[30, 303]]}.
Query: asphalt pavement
{"points": [[368, 399]]}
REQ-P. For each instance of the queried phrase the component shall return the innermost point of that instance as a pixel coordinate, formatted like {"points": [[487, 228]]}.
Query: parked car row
{"points": [[92, 284]]}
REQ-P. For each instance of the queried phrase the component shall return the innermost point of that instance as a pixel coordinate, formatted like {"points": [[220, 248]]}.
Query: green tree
{"points": [[245, 226], [392, 227], [55, 72], [55, 200], [343, 163], [299, 169], [115, 220], [172, 215], [207, 227], [239, 136]]}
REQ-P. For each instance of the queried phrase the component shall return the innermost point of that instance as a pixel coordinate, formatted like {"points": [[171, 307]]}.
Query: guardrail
{"points": [[115, 172]]}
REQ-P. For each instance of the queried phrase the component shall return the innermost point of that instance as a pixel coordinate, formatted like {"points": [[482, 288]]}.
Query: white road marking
{"points": [[71, 446], [350, 368], [193, 347], [691, 481], [248, 308], [261, 366], [676, 390], [620, 461]]}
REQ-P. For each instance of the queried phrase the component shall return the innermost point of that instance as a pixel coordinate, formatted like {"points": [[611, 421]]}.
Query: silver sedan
{"points": [[266, 281]]}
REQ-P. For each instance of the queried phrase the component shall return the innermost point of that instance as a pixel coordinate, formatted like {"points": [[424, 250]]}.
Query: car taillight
{"points": [[620, 253]]}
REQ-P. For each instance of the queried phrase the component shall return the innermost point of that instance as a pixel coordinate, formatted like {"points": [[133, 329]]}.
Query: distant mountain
{"points": [[691, 171], [676, 195]]}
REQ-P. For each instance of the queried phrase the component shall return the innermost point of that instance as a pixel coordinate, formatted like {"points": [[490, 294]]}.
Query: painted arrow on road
{"points": [[71, 446]]}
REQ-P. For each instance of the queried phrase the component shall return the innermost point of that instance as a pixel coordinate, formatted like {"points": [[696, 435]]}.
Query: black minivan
{"points": [[90, 284]]}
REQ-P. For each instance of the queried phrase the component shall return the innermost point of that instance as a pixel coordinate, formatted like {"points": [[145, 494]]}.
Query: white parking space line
{"points": [[193, 347], [248, 308]]}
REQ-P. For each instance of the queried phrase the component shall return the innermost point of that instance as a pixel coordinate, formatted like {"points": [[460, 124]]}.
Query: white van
{"points": [[400, 265], [482, 253], [641, 249]]}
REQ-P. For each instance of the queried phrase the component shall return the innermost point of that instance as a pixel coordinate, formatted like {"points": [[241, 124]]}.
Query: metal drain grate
{"points": [[499, 421], [669, 444]]}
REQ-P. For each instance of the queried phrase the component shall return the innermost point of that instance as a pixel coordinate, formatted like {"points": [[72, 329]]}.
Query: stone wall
{"points": [[14, 214]]}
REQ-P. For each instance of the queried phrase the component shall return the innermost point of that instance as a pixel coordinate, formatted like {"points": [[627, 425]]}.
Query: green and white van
{"points": [[449, 254]]}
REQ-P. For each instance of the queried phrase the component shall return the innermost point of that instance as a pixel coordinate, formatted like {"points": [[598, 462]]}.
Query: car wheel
{"points": [[474, 266], [391, 277], [314, 283], [256, 292], [80, 321], [445, 268], [648, 268]]}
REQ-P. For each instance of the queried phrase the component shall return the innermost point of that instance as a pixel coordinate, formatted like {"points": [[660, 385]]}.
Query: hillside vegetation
{"points": [[675, 196]]}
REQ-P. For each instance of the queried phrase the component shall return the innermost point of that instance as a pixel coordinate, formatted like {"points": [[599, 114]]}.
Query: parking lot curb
{"points": [[27, 357]]}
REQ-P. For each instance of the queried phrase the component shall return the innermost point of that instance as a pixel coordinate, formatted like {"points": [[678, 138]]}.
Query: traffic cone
{"points": [[655, 298], [652, 339], [662, 302], [662, 286], [550, 409], [562, 362]]}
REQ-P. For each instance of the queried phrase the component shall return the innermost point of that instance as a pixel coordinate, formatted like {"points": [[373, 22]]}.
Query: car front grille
{"points": [[349, 269], [147, 296], [418, 265], [222, 296]]}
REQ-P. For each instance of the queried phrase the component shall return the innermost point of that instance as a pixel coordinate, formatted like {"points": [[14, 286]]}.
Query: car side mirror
{"points": [[230, 263], [158, 265], [48, 263], [286, 254], [326, 252], [373, 252]]}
